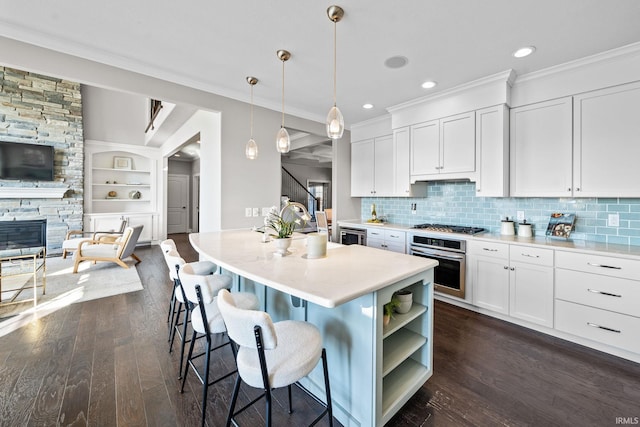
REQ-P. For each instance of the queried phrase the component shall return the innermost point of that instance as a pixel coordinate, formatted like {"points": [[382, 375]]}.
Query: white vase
{"points": [[282, 244]]}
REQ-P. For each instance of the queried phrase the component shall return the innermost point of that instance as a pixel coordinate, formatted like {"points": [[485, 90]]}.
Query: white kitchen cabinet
{"points": [[389, 240], [492, 156], [531, 284], [402, 186], [513, 280], [372, 172], [489, 267], [362, 168], [425, 148], [597, 298], [606, 147], [444, 148], [541, 149]]}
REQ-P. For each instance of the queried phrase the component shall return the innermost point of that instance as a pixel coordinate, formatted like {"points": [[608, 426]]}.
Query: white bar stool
{"points": [[201, 268], [272, 355], [206, 320]]}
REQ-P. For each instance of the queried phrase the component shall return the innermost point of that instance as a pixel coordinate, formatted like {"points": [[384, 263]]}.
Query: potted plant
{"points": [[405, 300], [389, 308], [284, 228]]}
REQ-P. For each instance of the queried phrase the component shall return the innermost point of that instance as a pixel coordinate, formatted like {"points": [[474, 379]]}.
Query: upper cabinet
{"points": [[444, 148], [492, 152], [372, 167], [606, 142], [540, 147], [580, 146]]}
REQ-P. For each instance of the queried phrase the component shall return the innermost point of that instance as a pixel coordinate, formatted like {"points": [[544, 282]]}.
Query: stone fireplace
{"points": [[39, 109]]}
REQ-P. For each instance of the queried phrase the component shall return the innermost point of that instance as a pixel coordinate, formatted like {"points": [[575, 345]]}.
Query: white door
{"points": [[362, 158], [196, 204], [177, 203]]}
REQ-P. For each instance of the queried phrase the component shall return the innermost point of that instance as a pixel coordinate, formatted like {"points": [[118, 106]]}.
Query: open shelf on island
{"points": [[399, 320], [400, 385], [398, 347]]}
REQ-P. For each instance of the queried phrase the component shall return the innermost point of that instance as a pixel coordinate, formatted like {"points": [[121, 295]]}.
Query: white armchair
{"points": [[107, 250]]}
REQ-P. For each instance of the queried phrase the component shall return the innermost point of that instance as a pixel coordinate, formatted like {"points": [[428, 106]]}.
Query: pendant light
{"points": [[283, 143], [335, 121], [251, 149]]}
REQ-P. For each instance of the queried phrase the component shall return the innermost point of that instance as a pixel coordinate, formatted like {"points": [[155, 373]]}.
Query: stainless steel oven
{"points": [[449, 275], [353, 236]]}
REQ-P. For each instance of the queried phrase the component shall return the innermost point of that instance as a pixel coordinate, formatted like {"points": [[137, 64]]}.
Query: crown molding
{"points": [[602, 57], [508, 76]]}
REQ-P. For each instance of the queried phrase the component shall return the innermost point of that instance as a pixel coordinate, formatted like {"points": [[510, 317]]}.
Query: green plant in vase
{"points": [[389, 308]]}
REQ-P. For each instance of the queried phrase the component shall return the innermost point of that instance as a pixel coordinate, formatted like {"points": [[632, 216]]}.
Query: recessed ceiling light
{"points": [[367, 106], [396, 61], [429, 84], [524, 51]]}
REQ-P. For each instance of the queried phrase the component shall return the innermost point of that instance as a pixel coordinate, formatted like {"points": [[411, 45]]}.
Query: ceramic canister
{"points": [[524, 229], [506, 227]]}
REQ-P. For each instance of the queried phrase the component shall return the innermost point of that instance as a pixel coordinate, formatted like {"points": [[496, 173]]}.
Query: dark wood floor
{"points": [[106, 363]]}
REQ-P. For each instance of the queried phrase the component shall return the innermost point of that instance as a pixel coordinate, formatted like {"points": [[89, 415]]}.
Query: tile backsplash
{"points": [[456, 203]]}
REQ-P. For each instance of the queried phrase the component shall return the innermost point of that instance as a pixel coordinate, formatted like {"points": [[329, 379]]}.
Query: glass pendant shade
{"points": [[283, 143], [335, 123], [251, 150]]}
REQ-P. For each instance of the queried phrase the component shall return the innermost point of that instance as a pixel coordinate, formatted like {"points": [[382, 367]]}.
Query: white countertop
{"points": [[346, 273], [628, 251]]}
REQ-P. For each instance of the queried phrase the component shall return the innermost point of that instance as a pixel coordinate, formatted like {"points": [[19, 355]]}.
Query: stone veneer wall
{"points": [[456, 203], [45, 110]]}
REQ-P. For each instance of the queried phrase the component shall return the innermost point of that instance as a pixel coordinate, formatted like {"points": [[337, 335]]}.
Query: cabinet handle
{"points": [[513, 269], [604, 266], [531, 256], [477, 190], [506, 267], [569, 189], [578, 189], [395, 237], [595, 291], [489, 250], [593, 325]]}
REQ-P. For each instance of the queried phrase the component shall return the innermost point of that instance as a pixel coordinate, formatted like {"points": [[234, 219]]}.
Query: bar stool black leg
{"points": [[327, 387]]}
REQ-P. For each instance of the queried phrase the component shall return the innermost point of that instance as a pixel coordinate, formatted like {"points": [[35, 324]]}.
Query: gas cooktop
{"points": [[444, 228]]}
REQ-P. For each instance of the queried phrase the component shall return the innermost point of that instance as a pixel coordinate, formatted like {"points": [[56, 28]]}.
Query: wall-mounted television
{"points": [[30, 162]]}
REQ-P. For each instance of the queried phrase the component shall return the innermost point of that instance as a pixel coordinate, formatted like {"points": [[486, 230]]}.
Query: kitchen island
{"points": [[374, 369]]}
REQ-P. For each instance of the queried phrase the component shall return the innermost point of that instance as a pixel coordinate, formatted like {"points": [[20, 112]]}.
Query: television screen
{"points": [[33, 162]]}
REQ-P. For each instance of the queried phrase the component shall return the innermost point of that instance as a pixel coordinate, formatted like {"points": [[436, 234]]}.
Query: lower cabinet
{"points": [[489, 267], [597, 298], [102, 222], [389, 240], [513, 280]]}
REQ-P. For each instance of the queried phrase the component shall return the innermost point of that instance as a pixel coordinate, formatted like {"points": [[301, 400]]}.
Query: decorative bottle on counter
{"points": [[374, 215]]}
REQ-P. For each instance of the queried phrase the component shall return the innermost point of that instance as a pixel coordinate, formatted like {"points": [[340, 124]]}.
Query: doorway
{"points": [[177, 203]]}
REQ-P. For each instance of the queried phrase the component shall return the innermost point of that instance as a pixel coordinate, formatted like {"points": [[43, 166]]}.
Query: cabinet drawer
{"points": [[609, 293], [605, 265], [603, 326], [375, 243], [531, 255], [393, 236], [375, 233], [495, 250], [395, 247]]}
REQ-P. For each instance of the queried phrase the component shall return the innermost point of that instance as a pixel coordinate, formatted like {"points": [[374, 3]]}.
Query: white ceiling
{"points": [[214, 45]]}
